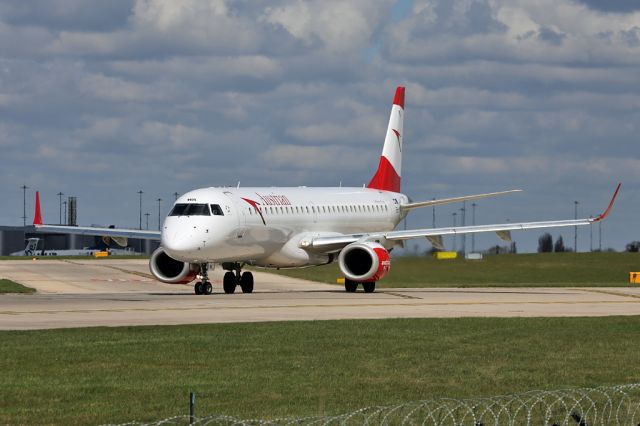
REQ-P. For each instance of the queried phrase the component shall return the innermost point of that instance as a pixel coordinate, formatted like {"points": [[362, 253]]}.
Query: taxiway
{"points": [[85, 293]]}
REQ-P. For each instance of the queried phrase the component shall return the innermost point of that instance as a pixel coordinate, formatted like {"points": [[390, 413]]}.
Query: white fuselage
{"points": [[264, 226]]}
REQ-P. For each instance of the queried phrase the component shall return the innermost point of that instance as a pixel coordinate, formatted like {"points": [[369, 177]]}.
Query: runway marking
{"points": [[353, 305], [613, 293], [404, 296], [126, 271]]}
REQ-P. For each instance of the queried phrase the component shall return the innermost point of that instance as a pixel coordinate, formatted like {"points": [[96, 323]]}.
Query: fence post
{"points": [[192, 408]]}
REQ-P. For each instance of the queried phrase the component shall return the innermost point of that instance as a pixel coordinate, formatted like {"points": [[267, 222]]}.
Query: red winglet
{"points": [[606, 212], [37, 217]]}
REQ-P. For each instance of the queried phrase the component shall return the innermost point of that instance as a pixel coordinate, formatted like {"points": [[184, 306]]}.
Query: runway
{"points": [[86, 293]]}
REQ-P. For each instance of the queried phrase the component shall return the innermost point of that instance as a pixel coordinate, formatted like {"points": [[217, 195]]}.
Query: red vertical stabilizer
{"points": [[387, 177], [37, 216]]}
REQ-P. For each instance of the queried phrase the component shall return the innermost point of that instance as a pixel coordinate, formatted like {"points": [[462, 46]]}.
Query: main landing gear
{"points": [[235, 277], [352, 286], [204, 286], [232, 278]]}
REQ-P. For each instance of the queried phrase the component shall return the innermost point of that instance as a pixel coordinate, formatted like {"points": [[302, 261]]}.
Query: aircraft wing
{"points": [[100, 232], [434, 235]]}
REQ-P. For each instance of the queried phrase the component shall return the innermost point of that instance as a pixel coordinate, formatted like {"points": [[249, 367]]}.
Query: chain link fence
{"points": [[608, 406]]}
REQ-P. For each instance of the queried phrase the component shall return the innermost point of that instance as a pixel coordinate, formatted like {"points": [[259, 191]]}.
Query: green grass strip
{"points": [[269, 370], [521, 270], [8, 286]]}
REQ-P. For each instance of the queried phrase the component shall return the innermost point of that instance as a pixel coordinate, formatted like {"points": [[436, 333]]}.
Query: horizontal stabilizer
{"points": [[441, 201]]}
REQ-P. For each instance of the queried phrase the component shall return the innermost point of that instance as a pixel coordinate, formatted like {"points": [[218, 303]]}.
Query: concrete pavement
{"points": [[80, 293]]}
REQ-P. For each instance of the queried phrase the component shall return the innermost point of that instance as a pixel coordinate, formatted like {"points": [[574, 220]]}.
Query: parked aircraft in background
{"points": [[32, 249], [298, 227]]}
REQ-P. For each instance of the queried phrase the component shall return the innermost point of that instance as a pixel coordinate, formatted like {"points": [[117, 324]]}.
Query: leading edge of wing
{"points": [[99, 232]]}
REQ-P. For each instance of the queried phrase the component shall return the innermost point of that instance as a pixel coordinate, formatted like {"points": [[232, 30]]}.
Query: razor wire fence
{"points": [[607, 406]]}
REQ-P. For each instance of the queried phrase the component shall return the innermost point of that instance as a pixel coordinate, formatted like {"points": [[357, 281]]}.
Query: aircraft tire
{"points": [[369, 287], [198, 288], [207, 288], [229, 283], [350, 286], [246, 282]]}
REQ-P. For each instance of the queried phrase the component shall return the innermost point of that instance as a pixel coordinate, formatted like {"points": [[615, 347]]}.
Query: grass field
{"points": [[89, 376], [8, 286], [521, 270]]}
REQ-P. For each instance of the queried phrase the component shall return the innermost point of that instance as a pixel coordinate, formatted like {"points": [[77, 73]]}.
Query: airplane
{"points": [[292, 227]]}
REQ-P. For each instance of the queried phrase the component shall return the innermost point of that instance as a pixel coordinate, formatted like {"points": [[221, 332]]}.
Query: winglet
{"points": [[606, 212], [37, 217]]}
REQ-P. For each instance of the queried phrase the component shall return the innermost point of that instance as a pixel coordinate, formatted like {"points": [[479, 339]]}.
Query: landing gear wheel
{"points": [[198, 288], [246, 282], [229, 283], [207, 288], [369, 287], [350, 286]]}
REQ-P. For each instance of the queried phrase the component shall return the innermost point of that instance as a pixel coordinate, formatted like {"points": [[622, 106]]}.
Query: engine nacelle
{"points": [[168, 270], [364, 262]]}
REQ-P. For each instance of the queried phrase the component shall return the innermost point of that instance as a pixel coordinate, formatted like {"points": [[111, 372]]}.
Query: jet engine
{"points": [[168, 270], [364, 262]]}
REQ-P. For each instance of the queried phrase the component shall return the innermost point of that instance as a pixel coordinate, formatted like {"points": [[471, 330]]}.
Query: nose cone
{"points": [[180, 245]]}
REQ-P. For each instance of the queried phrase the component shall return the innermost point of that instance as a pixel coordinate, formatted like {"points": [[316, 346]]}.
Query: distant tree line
{"points": [[546, 245]]}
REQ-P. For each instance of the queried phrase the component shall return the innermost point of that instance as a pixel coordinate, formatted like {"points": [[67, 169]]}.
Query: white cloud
{"points": [[340, 26]]}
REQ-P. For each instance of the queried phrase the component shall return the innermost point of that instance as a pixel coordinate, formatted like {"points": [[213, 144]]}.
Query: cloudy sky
{"points": [[99, 99]]}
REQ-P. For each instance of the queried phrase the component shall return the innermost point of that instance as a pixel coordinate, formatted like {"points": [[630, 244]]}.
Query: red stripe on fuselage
{"points": [[386, 178]]}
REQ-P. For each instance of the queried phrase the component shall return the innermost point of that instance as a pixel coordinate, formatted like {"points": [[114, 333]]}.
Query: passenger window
{"points": [[216, 210]]}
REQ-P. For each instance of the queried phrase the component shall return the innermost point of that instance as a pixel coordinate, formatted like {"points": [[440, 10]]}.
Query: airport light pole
{"points": [[433, 218], [591, 234], [65, 212], [140, 194], [575, 228], [60, 194], [454, 235], [159, 208], [463, 237], [600, 235], [473, 222], [24, 204]]}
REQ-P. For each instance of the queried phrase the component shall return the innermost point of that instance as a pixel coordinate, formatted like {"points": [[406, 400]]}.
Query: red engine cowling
{"points": [[168, 270], [364, 262]]}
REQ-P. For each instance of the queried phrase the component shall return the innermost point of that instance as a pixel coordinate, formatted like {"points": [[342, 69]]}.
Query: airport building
{"points": [[14, 239]]}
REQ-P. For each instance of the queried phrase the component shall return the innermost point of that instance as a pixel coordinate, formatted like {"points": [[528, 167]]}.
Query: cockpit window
{"points": [[190, 210], [216, 210]]}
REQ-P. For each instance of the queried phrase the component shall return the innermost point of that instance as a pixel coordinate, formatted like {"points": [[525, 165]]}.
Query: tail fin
{"points": [[387, 177], [37, 217]]}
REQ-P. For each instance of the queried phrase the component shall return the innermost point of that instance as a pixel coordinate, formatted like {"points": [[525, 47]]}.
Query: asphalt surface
{"points": [[106, 292]]}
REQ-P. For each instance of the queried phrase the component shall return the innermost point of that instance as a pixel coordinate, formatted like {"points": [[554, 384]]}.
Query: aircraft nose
{"points": [[178, 244]]}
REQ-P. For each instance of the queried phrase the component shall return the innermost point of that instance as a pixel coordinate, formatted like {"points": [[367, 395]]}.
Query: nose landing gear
{"points": [[204, 286], [235, 277]]}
